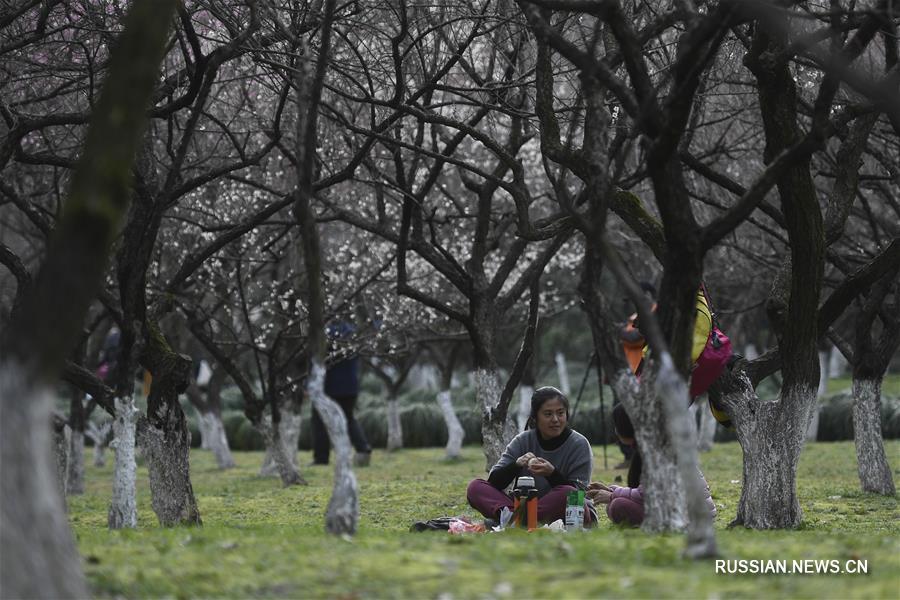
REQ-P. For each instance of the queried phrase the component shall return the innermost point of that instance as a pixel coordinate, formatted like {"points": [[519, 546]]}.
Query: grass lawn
{"points": [[890, 386], [259, 540]]}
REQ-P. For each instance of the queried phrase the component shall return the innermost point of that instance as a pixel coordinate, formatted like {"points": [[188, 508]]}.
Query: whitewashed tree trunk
{"points": [[874, 471], [672, 389], [281, 448], [99, 456], [99, 435], [212, 430], [455, 432], [664, 499], [203, 425], [812, 431], [495, 434], [837, 364], [75, 470], [168, 464], [290, 436], [525, 393], [562, 370], [706, 430], [123, 507], [61, 447], [771, 435], [394, 426], [39, 558], [343, 507]]}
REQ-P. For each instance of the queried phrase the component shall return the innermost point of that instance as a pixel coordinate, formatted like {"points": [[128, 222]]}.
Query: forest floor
{"points": [[260, 540]]}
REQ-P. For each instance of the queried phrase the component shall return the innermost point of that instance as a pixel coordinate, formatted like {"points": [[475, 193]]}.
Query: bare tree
{"points": [[46, 563]]}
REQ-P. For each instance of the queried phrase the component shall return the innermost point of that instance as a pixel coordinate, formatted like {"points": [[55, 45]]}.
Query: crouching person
{"points": [[558, 458], [625, 504]]}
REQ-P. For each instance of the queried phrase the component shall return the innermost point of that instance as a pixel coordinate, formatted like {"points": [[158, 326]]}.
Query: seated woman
{"points": [[626, 504], [558, 458]]}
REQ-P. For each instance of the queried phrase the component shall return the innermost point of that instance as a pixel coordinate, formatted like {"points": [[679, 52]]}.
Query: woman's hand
{"points": [[598, 496], [541, 466], [522, 461]]}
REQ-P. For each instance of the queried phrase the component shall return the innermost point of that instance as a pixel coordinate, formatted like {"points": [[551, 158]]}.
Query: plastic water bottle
{"points": [[575, 510]]}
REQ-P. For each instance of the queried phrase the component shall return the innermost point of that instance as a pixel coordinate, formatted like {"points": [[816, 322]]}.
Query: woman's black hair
{"points": [[634, 469], [541, 395], [625, 428], [621, 422]]}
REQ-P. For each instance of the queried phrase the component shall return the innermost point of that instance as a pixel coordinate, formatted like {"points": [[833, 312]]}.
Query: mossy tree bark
{"points": [[44, 330]]}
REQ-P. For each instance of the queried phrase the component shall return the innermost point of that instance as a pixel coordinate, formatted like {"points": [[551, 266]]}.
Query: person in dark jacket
{"points": [[342, 386]]}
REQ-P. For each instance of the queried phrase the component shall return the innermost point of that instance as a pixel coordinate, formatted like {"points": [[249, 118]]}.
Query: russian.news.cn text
{"points": [[792, 567]]}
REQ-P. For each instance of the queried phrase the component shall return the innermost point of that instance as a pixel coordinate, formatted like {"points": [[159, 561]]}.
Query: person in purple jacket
{"points": [[625, 504]]}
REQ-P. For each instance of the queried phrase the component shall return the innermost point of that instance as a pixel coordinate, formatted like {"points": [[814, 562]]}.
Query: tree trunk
{"points": [[123, 507], [281, 448], [75, 470], [525, 393], [455, 432], [164, 435], [672, 389], [209, 416], [61, 436], [562, 371], [706, 429], [771, 435], [99, 456], [168, 463], [812, 431], [343, 507], [203, 425], [212, 430], [496, 431], [874, 471], [394, 426], [99, 434], [39, 558], [664, 499]]}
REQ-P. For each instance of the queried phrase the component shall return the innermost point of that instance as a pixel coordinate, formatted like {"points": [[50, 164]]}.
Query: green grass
{"points": [[890, 386], [259, 540]]}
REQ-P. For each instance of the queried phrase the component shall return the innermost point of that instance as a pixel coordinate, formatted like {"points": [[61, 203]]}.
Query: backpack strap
{"points": [[709, 303]]}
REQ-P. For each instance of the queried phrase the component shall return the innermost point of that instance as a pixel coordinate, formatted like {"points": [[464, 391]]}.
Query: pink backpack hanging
{"points": [[714, 357]]}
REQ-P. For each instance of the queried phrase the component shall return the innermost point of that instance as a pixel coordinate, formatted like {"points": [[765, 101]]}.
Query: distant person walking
{"points": [[342, 386]]}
